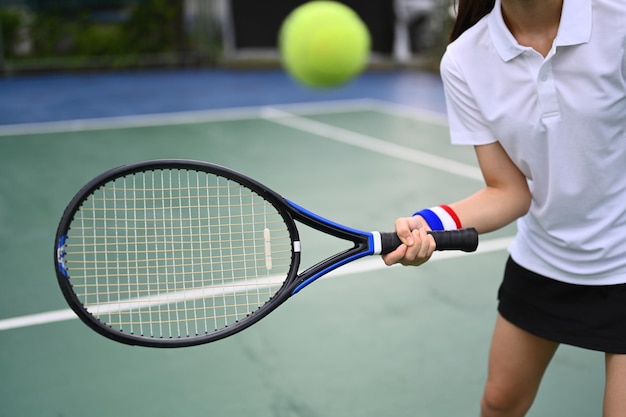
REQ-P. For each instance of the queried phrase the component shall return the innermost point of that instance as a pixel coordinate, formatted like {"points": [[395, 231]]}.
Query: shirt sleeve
{"points": [[467, 123]]}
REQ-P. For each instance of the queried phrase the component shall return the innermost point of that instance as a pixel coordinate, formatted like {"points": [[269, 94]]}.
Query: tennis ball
{"points": [[323, 44]]}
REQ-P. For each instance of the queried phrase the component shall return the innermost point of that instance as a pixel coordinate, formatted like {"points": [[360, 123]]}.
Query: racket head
{"points": [[172, 253]]}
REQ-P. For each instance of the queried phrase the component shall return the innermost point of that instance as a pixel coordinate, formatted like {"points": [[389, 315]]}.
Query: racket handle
{"points": [[465, 240]]}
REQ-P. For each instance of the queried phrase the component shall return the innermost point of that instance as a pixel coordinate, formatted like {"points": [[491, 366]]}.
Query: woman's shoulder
{"points": [[472, 36], [467, 49]]}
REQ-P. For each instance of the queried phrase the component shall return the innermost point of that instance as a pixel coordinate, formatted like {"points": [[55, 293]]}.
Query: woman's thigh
{"points": [[517, 362]]}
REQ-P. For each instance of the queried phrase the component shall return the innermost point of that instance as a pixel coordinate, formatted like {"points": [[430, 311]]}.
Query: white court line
{"points": [[371, 143], [420, 115], [282, 115], [180, 118], [219, 115], [361, 266]]}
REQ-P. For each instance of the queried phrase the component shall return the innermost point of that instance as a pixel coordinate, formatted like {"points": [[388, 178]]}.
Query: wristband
{"points": [[440, 218]]}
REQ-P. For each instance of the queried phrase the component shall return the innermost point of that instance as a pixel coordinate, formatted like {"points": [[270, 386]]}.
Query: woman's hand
{"points": [[417, 246]]}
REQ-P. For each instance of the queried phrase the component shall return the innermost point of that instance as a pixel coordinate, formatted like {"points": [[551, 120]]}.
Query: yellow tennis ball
{"points": [[324, 44]]}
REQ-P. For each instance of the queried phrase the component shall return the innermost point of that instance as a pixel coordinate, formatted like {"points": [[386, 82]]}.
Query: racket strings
{"points": [[146, 264], [174, 253], [286, 250]]}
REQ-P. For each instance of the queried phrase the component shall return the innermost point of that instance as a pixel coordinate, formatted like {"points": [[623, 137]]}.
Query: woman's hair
{"points": [[469, 12]]}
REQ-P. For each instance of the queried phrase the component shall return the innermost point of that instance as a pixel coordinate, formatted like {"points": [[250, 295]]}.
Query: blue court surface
{"points": [[368, 340]]}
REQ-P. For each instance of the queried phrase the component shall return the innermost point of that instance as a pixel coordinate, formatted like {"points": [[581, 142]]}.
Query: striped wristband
{"points": [[440, 218]]}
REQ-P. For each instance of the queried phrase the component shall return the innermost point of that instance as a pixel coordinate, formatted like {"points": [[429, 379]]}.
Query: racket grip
{"points": [[465, 240]]}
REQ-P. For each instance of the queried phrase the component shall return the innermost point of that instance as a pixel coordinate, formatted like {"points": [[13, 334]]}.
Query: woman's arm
{"points": [[504, 198]]}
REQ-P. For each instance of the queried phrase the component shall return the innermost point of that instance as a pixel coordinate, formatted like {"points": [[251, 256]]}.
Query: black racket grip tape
{"points": [[465, 240]]}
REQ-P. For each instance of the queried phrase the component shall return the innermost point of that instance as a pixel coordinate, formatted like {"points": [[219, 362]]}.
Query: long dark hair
{"points": [[469, 12]]}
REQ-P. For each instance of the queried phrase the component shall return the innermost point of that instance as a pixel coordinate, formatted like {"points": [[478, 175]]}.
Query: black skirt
{"points": [[587, 316]]}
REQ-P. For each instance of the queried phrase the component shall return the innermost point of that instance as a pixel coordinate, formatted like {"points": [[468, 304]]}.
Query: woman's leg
{"points": [[517, 362], [615, 391]]}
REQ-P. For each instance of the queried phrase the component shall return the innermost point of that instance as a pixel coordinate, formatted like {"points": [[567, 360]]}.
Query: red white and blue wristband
{"points": [[440, 218]]}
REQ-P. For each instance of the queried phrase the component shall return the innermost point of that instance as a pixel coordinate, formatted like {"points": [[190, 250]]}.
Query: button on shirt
{"points": [[562, 120]]}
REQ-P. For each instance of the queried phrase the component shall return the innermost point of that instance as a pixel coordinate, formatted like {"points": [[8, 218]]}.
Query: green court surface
{"points": [[369, 341]]}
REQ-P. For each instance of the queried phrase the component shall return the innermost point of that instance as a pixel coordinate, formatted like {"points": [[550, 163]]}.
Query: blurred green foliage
{"points": [[10, 22], [95, 33], [139, 27], [155, 25]]}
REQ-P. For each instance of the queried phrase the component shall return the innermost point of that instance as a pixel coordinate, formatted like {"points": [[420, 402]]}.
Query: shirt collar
{"points": [[574, 28]]}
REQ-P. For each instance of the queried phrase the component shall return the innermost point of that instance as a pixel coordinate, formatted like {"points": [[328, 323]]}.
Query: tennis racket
{"points": [[171, 253]]}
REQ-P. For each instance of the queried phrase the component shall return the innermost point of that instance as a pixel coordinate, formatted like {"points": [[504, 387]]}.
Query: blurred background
{"points": [[78, 35]]}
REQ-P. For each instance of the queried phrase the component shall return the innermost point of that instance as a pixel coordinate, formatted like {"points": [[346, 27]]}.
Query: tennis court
{"points": [[367, 341]]}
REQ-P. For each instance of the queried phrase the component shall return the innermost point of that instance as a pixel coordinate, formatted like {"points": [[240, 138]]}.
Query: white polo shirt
{"points": [[562, 120]]}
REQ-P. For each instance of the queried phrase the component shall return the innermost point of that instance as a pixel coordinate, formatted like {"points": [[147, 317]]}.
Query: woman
{"points": [[538, 87]]}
